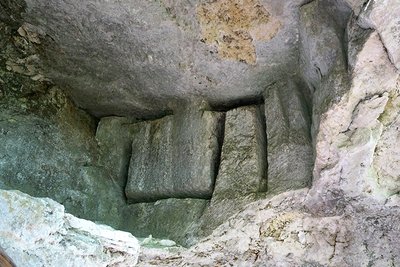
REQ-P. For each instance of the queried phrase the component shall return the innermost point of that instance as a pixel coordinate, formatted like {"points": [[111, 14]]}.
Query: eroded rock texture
{"points": [[242, 173], [231, 104], [167, 218], [175, 156], [290, 152], [47, 145], [37, 232]]}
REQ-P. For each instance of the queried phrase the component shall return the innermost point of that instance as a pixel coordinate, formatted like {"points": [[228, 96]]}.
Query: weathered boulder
{"points": [[175, 157], [289, 146], [37, 232]]}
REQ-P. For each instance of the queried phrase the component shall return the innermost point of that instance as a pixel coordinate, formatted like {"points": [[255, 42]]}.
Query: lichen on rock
{"points": [[233, 26]]}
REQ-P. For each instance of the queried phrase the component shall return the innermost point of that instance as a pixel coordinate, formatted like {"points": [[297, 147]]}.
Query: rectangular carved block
{"points": [[175, 157], [290, 152], [243, 159]]}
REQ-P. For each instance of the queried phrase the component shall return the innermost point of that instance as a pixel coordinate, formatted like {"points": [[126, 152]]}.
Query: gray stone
{"points": [[148, 56], [243, 162], [243, 167], [167, 218], [37, 232], [384, 17], [56, 157], [115, 135], [175, 157], [290, 150], [279, 232], [320, 43]]}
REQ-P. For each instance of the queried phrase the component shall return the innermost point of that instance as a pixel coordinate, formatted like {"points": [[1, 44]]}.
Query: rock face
{"points": [[114, 136], [150, 57], [37, 232], [167, 218], [383, 16], [278, 232], [290, 152], [47, 145], [253, 98], [242, 173], [243, 159], [175, 157]]}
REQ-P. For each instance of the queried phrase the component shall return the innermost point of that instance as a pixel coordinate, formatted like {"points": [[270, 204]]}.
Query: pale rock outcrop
{"points": [[37, 232], [386, 158], [350, 130], [384, 17], [280, 232]]}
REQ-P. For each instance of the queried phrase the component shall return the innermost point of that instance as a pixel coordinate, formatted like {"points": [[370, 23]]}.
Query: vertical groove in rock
{"points": [[221, 134], [263, 149]]}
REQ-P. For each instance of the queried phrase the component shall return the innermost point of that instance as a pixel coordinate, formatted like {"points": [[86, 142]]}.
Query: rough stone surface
{"points": [[37, 232], [320, 43], [289, 147], [387, 155], [233, 25], [329, 71], [48, 158], [350, 131], [175, 157], [242, 172], [280, 232], [384, 17], [167, 218], [243, 164], [147, 57], [47, 145], [114, 136]]}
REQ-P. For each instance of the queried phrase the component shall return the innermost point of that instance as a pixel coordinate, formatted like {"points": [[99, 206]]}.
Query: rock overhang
{"points": [[142, 59]]}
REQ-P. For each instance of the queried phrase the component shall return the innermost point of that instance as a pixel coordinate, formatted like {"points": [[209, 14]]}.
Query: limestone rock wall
{"points": [[328, 122], [37, 232], [189, 172], [47, 145], [288, 126]]}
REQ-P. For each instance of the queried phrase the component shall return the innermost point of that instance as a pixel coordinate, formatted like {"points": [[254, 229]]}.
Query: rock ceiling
{"points": [[145, 58]]}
